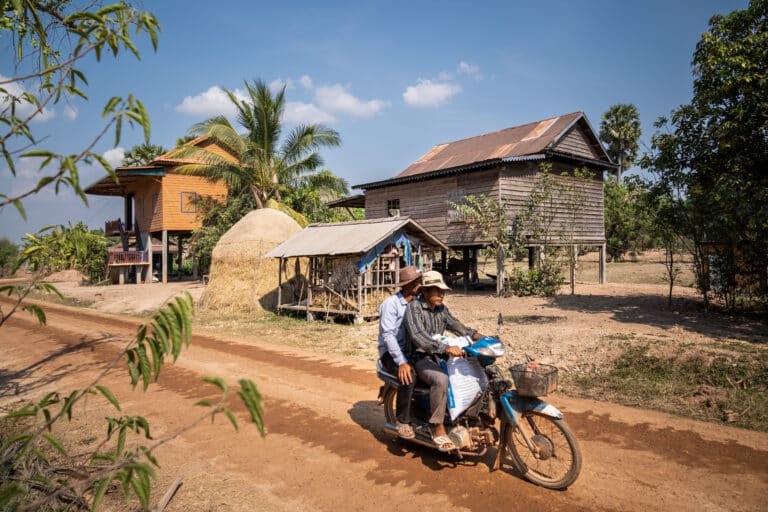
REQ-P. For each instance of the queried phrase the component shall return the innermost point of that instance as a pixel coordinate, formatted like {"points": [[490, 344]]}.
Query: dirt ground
{"points": [[326, 449]]}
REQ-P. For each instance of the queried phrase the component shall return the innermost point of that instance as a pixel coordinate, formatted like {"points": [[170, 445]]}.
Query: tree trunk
{"points": [[257, 197], [500, 256]]}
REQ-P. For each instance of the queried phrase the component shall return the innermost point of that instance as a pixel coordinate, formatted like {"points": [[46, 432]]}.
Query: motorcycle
{"points": [[542, 447]]}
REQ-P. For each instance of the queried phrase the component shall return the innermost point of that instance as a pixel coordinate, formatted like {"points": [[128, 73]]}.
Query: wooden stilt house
{"points": [[503, 165], [349, 268], [159, 204]]}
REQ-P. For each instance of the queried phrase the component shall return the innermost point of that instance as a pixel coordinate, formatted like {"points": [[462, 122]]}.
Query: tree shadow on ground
{"points": [[685, 313], [32, 377]]}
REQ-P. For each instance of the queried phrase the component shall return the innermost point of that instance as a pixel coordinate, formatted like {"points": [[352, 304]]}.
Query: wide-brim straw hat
{"points": [[408, 275], [433, 278]]}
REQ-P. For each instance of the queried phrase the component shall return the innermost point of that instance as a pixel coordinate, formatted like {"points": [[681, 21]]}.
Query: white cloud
{"points": [[277, 84], [470, 69], [214, 101], [70, 112], [114, 156], [305, 113], [23, 108], [430, 94], [306, 82], [335, 98]]}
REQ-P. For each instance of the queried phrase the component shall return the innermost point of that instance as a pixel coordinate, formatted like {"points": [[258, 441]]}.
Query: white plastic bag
{"points": [[466, 378]]}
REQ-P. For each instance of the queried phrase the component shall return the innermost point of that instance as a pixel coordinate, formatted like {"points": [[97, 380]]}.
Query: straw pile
{"points": [[241, 278]]}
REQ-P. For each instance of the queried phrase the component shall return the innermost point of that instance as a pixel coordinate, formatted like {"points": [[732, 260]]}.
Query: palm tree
{"points": [[257, 161], [142, 154], [620, 130]]}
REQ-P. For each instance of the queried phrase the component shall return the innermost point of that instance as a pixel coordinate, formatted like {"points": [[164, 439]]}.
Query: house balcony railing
{"points": [[123, 258]]}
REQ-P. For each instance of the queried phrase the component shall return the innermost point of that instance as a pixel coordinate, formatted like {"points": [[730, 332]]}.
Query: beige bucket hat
{"points": [[433, 278]]}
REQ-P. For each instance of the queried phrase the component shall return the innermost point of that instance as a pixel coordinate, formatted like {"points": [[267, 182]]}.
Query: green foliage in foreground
{"points": [[713, 385], [33, 455]]}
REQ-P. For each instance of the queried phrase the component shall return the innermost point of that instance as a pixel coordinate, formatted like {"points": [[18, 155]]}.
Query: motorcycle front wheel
{"points": [[557, 463]]}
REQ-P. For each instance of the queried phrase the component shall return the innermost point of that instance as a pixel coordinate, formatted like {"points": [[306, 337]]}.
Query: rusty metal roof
{"points": [[356, 237], [532, 141]]}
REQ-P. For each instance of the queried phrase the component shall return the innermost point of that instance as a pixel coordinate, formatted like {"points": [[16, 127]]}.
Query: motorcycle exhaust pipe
{"points": [[419, 439]]}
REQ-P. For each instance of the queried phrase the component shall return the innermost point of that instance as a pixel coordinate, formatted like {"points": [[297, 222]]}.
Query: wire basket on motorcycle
{"points": [[534, 379]]}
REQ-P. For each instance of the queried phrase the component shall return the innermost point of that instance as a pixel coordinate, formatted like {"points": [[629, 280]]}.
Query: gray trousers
{"points": [[431, 373]]}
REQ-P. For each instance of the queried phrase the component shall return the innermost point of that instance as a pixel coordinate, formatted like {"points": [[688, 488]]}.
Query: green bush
{"points": [[545, 281], [68, 248]]}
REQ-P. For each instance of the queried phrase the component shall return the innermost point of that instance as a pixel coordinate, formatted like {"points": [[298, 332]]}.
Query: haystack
{"points": [[241, 278]]}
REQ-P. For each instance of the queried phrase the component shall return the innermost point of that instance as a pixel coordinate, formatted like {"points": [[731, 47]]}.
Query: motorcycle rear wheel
{"points": [[559, 460], [389, 405]]}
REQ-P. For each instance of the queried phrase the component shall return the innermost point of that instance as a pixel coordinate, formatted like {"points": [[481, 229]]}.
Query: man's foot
{"points": [[444, 443], [441, 439], [405, 431]]}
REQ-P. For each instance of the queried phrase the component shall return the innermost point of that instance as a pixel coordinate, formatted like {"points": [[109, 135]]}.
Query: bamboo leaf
{"points": [[134, 373], [56, 443], [101, 487], [231, 418], [218, 382], [144, 425], [148, 454], [108, 395], [157, 358], [121, 441], [36, 311], [251, 397], [68, 403], [144, 367]]}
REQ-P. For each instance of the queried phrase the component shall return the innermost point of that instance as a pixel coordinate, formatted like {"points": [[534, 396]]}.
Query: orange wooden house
{"points": [[159, 203]]}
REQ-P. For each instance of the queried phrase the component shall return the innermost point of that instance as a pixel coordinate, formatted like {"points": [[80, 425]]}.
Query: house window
{"points": [[393, 207], [455, 197], [188, 202]]}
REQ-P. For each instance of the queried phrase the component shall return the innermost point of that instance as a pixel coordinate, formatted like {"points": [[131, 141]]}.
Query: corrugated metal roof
{"points": [[516, 141], [530, 141], [357, 237]]}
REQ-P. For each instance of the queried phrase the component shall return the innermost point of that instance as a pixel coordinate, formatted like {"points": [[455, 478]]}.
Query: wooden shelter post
{"points": [[164, 263], [280, 284], [603, 274], [148, 278], [310, 277], [359, 315]]}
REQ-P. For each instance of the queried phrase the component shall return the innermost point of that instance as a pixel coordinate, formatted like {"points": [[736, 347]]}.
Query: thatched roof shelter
{"points": [[242, 276]]}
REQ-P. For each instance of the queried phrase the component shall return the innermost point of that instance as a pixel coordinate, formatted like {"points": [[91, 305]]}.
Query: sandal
{"points": [[444, 443], [405, 431]]}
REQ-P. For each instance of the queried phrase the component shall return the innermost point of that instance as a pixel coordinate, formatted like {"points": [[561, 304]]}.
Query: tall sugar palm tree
{"points": [[257, 160], [142, 154], [620, 130]]}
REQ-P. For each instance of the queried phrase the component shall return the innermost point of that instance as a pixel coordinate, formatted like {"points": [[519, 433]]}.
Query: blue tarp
{"points": [[399, 239]]}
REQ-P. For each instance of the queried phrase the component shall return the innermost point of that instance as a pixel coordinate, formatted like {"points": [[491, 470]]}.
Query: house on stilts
{"points": [[503, 165]]}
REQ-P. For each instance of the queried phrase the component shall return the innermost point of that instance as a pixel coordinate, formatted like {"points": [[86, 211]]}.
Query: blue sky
{"points": [[393, 78]]}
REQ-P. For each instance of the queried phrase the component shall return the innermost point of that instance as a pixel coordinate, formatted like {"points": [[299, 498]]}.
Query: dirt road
{"points": [[325, 450]]}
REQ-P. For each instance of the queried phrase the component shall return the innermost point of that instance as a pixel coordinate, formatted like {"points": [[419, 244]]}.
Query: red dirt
{"points": [[326, 450]]}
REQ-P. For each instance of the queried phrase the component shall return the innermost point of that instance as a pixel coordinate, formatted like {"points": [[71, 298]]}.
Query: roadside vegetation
{"points": [[722, 382]]}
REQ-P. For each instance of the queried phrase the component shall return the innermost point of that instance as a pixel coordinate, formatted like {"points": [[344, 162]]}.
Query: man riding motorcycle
{"points": [[425, 317]]}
